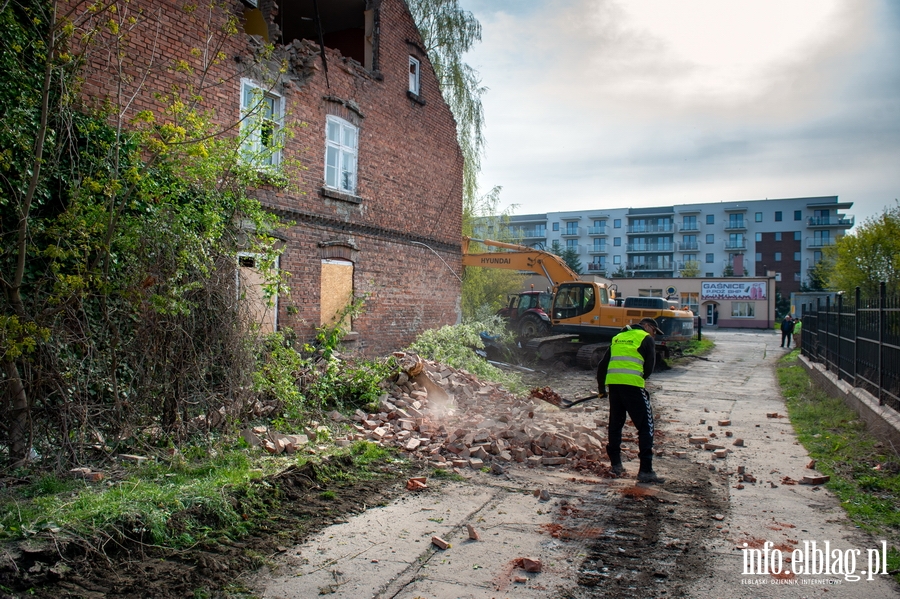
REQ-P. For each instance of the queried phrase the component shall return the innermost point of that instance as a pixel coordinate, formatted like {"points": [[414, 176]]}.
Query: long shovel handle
{"points": [[575, 402]]}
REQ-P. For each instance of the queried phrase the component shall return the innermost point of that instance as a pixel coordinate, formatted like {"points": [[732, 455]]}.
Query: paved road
{"points": [[611, 538]]}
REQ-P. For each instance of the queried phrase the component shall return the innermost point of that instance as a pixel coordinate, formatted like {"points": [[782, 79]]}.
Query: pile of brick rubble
{"points": [[453, 420]]}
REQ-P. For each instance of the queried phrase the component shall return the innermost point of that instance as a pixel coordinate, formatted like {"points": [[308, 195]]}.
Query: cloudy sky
{"points": [[629, 103]]}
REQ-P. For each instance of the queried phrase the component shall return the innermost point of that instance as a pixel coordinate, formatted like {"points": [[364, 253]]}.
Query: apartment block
{"points": [[784, 236]]}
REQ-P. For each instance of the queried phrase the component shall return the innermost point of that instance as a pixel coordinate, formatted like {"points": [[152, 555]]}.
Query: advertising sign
{"points": [[727, 290]]}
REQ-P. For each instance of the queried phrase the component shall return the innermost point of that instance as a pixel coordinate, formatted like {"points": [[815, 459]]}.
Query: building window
{"points": [[796, 276], [617, 223], [796, 235], [710, 219], [599, 245], [262, 114], [758, 256], [414, 75], [743, 309], [798, 214], [689, 223], [617, 241], [778, 216], [340, 155], [572, 244], [797, 256], [735, 221], [778, 236], [777, 256], [758, 237], [759, 217], [710, 238], [617, 259], [710, 258], [692, 301], [690, 258], [709, 274], [556, 226], [572, 228]]}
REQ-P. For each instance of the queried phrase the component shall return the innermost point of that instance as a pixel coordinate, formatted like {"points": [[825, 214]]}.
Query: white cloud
{"points": [[645, 102]]}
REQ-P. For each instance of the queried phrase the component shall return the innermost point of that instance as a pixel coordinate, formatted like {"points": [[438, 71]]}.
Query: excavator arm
{"points": [[519, 257]]}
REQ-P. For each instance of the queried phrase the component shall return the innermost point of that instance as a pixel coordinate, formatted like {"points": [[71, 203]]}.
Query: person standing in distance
{"points": [[624, 368], [787, 328]]}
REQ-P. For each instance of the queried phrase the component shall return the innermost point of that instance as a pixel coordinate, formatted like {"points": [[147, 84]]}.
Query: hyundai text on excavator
{"points": [[581, 319]]}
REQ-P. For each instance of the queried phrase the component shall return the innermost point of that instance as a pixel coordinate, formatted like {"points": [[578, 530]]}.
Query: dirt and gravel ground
{"points": [[595, 536]]}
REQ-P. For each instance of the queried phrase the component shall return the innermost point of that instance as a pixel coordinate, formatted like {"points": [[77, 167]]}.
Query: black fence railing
{"points": [[858, 340]]}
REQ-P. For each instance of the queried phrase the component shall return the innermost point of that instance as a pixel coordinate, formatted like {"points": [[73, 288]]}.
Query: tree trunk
{"points": [[19, 437]]}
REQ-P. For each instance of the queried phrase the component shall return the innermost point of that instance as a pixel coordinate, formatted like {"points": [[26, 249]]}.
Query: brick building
{"points": [[378, 207]]}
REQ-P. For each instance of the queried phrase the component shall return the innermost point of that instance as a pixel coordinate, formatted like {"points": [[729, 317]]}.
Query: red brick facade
{"points": [[409, 173]]}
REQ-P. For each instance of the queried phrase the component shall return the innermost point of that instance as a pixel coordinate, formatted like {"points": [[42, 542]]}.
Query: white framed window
{"points": [[341, 148], [414, 67], [262, 117], [743, 309]]}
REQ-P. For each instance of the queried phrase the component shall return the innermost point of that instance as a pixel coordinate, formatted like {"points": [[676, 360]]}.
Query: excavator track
{"points": [[548, 348], [589, 355]]}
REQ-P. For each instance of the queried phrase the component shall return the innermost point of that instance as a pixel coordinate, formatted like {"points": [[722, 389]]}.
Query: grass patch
{"points": [[865, 474], [172, 501], [447, 474]]}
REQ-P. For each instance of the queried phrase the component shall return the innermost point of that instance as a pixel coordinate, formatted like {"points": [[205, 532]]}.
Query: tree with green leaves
{"points": [[569, 256], [866, 257], [690, 269], [119, 235]]}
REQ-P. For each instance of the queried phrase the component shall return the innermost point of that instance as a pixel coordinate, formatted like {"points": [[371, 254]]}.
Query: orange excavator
{"points": [[582, 319]]}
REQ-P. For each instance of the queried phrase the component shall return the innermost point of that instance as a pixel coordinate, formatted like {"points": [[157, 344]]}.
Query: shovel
{"points": [[566, 404]]}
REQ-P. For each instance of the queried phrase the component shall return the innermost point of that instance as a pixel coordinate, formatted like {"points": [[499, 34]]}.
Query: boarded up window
{"points": [[260, 310], [336, 292]]}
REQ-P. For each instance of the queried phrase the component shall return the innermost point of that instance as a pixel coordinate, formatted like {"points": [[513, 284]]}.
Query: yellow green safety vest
{"points": [[797, 326], [626, 366]]}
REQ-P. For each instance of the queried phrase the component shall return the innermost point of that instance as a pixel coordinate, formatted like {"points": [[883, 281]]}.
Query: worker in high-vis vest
{"points": [[627, 364]]}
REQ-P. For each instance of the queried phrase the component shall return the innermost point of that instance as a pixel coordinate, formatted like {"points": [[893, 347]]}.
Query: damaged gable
{"points": [[347, 26]]}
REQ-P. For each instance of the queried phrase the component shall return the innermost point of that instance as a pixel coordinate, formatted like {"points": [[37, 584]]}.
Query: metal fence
{"points": [[858, 340]]}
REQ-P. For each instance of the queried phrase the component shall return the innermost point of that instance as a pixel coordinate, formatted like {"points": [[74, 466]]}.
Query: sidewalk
{"points": [[740, 385], [609, 537]]}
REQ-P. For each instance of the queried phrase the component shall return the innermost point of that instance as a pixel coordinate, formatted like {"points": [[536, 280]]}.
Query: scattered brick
{"points": [[473, 534], [811, 465], [814, 480], [440, 543], [530, 564], [724, 422], [738, 443]]}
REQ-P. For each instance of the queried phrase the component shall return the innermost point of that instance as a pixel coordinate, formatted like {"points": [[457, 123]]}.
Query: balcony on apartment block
{"points": [[597, 231], [687, 246], [814, 243], [736, 246], [596, 269], [648, 266], [839, 221], [643, 229], [656, 248]]}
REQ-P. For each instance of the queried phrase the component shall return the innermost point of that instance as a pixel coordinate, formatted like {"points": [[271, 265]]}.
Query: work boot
{"points": [[649, 476], [618, 469]]}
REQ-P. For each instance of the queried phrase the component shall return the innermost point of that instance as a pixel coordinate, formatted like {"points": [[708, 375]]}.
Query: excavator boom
{"points": [[519, 258]]}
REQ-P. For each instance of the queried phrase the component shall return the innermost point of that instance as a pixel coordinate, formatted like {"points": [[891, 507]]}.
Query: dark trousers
{"points": [[785, 336], [624, 401]]}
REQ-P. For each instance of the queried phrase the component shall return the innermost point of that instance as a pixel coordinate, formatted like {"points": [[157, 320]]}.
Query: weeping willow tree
{"points": [[448, 32]]}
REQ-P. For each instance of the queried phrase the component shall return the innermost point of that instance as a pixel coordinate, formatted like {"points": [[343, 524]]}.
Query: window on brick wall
{"points": [[340, 155], [261, 308], [262, 114], [414, 75]]}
